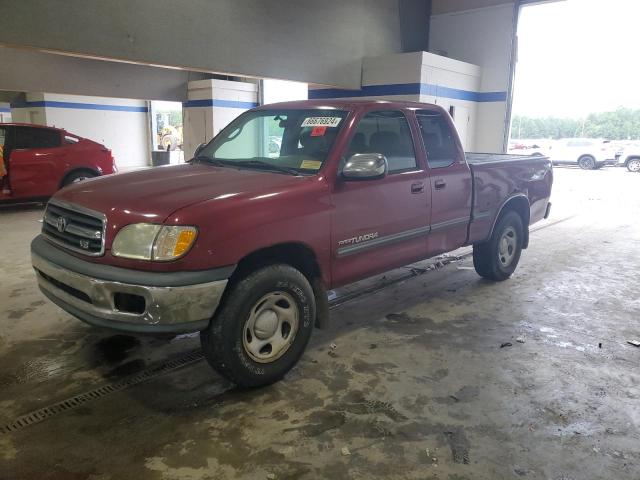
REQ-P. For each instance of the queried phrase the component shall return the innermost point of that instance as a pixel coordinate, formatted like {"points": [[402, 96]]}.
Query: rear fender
{"points": [[520, 204], [73, 170]]}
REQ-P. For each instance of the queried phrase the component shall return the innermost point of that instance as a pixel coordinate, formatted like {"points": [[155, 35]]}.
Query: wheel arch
{"points": [[298, 255], [73, 170], [518, 203], [631, 157]]}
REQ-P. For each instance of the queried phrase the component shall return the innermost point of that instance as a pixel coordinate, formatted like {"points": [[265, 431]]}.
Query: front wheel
{"points": [[498, 258], [633, 165], [262, 327]]}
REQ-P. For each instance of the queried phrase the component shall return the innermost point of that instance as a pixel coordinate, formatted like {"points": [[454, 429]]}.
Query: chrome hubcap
{"points": [[507, 246], [271, 327], [634, 165]]}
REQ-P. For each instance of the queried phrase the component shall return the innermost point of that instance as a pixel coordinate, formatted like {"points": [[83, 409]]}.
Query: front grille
{"points": [[74, 227]]}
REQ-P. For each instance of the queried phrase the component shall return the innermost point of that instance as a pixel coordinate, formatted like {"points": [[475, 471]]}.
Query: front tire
{"points": [[587, 162], [262, 327], [633, 165], [498, 258]]}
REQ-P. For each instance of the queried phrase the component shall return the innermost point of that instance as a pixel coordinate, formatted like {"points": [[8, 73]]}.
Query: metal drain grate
{"points": [[41, 414]]}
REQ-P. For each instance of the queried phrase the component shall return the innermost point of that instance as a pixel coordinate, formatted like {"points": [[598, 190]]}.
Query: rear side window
{"points": [[438, 139], [29, 137], [386, 132]]}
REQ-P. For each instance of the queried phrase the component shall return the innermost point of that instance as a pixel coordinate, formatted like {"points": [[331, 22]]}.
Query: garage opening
{"points": [[576, 97], [166, 131]]}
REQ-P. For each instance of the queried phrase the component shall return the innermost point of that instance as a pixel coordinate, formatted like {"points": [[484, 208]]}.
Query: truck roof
{"points": [[345, 103]]}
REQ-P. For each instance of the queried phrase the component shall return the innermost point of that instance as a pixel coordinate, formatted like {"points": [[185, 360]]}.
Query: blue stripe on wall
{"points": [[80, 106], [5, 110], [212, 102], [409, 89]]}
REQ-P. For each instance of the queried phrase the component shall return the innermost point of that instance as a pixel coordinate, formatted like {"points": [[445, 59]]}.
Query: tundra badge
{"points": [[358, 239]]}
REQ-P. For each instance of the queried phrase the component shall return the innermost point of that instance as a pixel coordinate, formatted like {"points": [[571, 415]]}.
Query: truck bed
{"points": [[499, 177], [482, 158]]}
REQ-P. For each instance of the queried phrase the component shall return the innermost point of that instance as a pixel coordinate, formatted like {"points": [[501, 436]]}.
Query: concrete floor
{"points": [[417, 386]]}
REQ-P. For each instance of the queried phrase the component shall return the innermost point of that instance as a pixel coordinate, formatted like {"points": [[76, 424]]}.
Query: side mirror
{"points": [[199, 149], [365, 166]]}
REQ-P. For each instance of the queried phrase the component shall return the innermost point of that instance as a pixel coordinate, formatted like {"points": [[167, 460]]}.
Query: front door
{"points": [[451, 186], [380, 224], [35, 162]]}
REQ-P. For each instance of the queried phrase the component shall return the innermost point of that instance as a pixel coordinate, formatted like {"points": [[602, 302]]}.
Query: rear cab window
{"points": [[438, 139], [386, 132]]}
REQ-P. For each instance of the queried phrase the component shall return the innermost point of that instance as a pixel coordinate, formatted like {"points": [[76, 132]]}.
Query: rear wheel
{"points": [[262, 327], [587, 162], [498, 258], [633, 165], [79, 176]]}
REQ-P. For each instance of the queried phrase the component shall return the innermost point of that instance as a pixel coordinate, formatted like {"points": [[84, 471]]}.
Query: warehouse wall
{"points": [[484, 37], [33, 71], [119, 124], [321, 42]]}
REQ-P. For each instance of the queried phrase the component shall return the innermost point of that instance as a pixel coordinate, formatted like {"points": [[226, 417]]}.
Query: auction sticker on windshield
{"points": [[311, 164], [321, 122]]}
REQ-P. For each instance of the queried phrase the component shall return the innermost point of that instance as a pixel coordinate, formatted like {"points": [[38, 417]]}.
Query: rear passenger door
{"points": [[36, 163], [381, 223], [451, 185]]}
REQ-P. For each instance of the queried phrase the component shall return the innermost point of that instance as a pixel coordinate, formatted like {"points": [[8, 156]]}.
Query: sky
{"points": [[577, 57]]}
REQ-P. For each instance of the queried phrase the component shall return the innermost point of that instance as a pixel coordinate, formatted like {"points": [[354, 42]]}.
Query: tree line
{"points": [[620, 124]]}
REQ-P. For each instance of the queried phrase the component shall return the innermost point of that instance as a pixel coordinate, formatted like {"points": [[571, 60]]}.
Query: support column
{"points": [[211, 106]]}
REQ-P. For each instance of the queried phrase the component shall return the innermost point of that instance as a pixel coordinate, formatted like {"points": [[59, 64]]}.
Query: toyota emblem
{"points": [[61, 224]]}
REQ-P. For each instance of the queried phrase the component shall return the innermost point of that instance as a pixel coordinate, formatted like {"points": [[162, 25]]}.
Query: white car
{"points": [[630, 158], [587, 153]]}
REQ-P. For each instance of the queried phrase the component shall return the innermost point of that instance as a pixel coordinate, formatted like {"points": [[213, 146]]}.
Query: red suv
{"points": [[39, 160]]}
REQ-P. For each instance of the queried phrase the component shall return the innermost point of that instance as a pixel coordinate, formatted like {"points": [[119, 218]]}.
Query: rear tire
{"points": [[262, 327], [497, 258], [79, 176], [633, 165], [587, 162]]}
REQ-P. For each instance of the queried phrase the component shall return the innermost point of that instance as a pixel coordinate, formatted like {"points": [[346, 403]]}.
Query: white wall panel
{"points": [[125, 132]]}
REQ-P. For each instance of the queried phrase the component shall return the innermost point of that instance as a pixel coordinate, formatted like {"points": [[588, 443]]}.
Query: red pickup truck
{"points": [[242, 242], [40, 160]]}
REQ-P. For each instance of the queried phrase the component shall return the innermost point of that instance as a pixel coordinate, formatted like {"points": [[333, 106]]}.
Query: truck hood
{"points": [[152, 195]]}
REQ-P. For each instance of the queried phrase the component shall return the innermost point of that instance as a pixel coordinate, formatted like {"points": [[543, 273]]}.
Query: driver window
{"points": [[386, 132]]}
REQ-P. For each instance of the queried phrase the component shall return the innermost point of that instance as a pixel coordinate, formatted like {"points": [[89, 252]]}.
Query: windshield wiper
{"points": [[267, 166], [210, 161]]}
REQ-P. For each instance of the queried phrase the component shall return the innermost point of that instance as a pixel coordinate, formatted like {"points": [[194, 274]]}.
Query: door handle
{"points": [[440, 184], [417, 187]]}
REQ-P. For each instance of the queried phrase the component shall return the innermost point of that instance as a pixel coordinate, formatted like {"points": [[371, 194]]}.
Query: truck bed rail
{"points": [[475, 158]]}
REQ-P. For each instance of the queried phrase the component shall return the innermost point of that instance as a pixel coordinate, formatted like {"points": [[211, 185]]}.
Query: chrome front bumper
{"points": [[175, 309]]}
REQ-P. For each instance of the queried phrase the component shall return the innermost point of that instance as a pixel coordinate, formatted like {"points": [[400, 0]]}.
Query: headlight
{"points": [[146, 241]]}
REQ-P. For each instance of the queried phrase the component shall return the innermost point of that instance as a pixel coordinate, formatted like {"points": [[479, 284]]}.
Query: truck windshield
{"points": [[287, 141]]}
